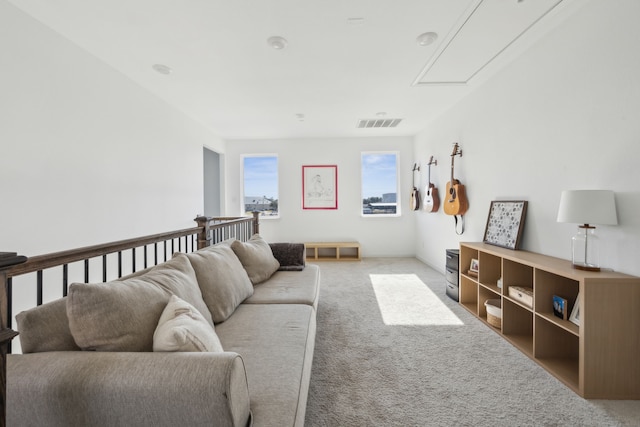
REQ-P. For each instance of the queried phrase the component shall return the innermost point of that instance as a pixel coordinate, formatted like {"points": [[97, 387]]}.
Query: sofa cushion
{"points": [[182, 328], [256, 257], [222, 279], [291, 256], [277, 351], [46, 328], [122, 315], [289, 287]]}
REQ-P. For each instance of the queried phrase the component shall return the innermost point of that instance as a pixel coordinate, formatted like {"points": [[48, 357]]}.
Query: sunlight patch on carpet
{"points": [[404, 299]]}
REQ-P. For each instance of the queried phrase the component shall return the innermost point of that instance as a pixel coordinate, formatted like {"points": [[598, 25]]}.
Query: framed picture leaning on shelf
{"points": [[473, 267], [505, 223], [575, 313]]}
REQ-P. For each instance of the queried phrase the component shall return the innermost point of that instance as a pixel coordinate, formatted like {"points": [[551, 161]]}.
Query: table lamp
{"points": [[587, 207]]}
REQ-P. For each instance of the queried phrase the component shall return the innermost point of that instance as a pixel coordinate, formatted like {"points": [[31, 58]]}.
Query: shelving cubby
{"points": [[468, 295], [517, 326], [598, 359]]}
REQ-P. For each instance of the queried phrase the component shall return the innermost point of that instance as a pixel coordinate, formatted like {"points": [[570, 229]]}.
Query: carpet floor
{"points": [[393, 350]]}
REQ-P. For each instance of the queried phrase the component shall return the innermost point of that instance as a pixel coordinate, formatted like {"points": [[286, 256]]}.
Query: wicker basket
{"points": [[494, 312]]}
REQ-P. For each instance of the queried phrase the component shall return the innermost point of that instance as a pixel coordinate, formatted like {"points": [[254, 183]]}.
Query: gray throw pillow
{"points": [[257, 258], [222, 279], [291, 256], [46, 328], [122, 315]]}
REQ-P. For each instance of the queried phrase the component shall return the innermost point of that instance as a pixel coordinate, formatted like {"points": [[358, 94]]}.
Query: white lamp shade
{"points": [[588, 207]]}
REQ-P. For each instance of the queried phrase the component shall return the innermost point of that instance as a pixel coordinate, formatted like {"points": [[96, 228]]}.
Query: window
{"points": [[380, 184], [260, 178]]}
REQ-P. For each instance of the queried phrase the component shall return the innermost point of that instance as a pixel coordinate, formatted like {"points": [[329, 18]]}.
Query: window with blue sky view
{"points": [[260, 177], [380, 183]]}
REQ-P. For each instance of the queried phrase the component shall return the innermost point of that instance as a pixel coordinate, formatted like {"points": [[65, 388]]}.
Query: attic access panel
{"points": [[483, 32]]}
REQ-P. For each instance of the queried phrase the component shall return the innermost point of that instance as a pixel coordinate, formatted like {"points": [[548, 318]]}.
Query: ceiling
{"points": [[345, 60]]}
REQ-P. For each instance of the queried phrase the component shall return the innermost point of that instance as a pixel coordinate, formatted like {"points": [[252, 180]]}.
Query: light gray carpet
{"points": [[420, 370]]}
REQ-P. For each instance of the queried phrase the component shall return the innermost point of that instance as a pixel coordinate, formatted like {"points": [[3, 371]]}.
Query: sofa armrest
{"points": [[291, 256], [111, 388]]}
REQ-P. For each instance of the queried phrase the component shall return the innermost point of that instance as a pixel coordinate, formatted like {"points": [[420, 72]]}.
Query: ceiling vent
{"points": [[378, 123]]}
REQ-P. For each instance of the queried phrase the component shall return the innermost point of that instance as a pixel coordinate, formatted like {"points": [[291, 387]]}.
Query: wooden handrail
{"points": [[42, 262]]}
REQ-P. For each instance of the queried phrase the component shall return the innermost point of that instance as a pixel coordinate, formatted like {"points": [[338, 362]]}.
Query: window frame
{"points": [[242, 182], [398, 212]]}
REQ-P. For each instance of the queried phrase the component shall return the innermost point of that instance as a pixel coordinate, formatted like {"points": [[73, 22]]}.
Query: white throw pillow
{"points": [[183, 328]]}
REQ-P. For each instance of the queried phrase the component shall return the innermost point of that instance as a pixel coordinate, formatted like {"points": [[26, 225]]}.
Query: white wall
{"points": [[87, 156], [564, 115], [377, 236]]}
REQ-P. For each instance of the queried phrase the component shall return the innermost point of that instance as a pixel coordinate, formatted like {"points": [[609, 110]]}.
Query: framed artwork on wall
{"points": [[505, 223], [320, 187]]}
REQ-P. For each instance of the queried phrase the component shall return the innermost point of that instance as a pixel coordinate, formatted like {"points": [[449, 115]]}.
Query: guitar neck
{"points": [[452, 157]]}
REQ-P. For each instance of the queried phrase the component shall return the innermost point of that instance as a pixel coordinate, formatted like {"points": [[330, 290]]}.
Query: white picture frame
{"points": [[575, 312]]}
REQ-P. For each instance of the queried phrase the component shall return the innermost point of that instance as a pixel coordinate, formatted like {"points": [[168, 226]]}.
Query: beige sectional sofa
{"points": [[223, 336]]}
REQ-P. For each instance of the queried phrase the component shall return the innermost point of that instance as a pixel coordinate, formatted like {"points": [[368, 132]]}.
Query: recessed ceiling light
{"points": [[425, 39], [277, 42], [162, 69], [355, 21], [381, 114]]}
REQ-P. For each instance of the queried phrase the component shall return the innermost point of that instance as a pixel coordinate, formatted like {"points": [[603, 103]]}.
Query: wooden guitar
{"points": [[456, 201], [431, 199], [415, 194]]}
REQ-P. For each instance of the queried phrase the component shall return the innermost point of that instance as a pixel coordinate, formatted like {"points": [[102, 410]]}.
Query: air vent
{"points": [[378, 123]]}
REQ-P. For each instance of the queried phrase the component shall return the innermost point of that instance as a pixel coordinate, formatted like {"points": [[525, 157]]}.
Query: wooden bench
{"points": [[332, 251]]}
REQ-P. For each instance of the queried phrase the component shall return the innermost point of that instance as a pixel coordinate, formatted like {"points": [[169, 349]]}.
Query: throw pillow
{"points": [[46, 328], [122, 315], [182, 328], [115, 316], [257, 258], [178, 276], [222, 279], [291, 256]]}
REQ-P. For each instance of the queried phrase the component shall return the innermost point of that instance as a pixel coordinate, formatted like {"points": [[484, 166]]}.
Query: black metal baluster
{"points": [[39, 288], [119, 264], [86, 271], [104, 268], [145, 256], [9, 308], [133, 256], [65, 280], [9, 302]]}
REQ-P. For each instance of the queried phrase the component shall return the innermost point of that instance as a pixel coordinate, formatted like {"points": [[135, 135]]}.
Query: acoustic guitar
{"points": [[456, 201], [415, 194], [431, 199]]}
